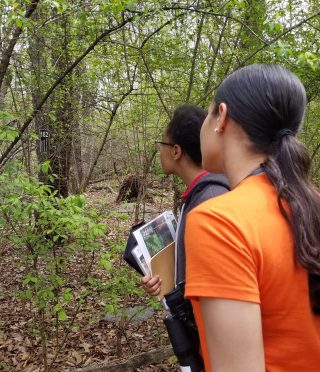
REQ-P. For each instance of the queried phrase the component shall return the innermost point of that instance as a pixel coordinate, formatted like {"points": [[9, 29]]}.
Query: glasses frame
{"points": [[164, 143]]}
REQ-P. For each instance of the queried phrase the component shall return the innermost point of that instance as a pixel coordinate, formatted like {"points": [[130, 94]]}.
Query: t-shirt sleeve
{"points": [[219, 261]]}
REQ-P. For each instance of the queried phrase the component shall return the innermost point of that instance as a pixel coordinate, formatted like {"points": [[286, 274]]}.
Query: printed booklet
{"points": [[155, 252]]}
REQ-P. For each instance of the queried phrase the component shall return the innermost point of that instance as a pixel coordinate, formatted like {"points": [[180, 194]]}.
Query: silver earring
{"points": [[216, 130]]}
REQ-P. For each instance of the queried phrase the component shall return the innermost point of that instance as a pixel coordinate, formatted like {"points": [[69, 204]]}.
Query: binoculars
{"points": [[182, 330]]}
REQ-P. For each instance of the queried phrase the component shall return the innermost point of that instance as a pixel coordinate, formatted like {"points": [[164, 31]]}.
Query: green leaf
{"points": [[109, 309], [51, 178], [240, 4], [123, 216], [67, 295], [57, 308], [30, 279], [52, 116], [62, 315], [27, 295], [105, 264], [4, 115], [19, 23], [131, 5], [79, 200], [277, 27], [45, 167]]}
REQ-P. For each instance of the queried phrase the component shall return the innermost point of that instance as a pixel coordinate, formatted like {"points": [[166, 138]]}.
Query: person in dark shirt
{"points": [[180, 155]]}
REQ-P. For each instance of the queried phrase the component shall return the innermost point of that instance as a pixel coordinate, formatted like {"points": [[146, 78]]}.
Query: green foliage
{"points": [[7, 131], [4, 366], [119, 215], [309, 60], [122, 280], [54, 237], [7, 116]]}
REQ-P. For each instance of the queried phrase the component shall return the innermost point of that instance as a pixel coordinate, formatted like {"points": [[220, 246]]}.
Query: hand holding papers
{"points": [[155, 249]]}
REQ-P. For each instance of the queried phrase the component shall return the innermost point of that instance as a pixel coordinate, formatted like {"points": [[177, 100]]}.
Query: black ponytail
{"points": [[288, 167], [268, 102]]}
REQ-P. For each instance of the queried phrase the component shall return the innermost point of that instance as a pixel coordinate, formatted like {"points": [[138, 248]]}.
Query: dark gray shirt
{"points": [[208, 186]]}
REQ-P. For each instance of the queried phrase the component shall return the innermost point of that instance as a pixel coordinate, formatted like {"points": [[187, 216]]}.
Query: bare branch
{"points": [[194, 57], [225, 15], [154, 83], [228, 66], [146, 64], [150, 357], [160, 28], [6, 56], [112, 116], [312, 26], [215, 56]]}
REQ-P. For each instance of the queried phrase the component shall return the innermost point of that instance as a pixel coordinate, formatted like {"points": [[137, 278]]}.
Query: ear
{"points": [[222, 117], [177, 152]]}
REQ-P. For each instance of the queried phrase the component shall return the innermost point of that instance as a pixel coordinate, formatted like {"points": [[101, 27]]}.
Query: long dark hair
{"points": [[184, 130], [268, 102]]}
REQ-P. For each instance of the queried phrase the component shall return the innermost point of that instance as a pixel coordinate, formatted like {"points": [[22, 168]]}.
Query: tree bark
{"points": [[39, 69], [63, 102]]}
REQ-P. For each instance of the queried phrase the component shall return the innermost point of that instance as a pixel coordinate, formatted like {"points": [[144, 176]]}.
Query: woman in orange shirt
{"points": [[253, 254]]}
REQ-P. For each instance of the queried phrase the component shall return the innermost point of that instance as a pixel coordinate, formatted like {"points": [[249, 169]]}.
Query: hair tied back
{"points": [[282, 133]]}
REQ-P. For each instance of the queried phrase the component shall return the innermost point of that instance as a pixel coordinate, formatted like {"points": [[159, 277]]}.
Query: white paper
{"points": [[153, 237]]}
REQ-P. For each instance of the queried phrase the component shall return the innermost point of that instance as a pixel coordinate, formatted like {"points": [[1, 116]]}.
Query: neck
{"points": [[239, 170], [239, 157], [189, 173]]}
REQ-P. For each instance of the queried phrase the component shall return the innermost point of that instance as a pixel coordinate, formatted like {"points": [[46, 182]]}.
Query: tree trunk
{"points": [[39, 69]]}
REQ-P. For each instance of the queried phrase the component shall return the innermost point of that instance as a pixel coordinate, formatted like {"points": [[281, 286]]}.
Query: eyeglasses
{"points": [[164, 143]]}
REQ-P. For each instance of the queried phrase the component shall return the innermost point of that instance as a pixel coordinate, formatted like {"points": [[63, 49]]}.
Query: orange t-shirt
{"points": [[240, 247]]}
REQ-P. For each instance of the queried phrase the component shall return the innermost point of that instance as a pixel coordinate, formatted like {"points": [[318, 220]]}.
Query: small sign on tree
{"points": [[44, 140]]}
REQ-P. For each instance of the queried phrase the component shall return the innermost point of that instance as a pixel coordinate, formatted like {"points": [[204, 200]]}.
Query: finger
{"points": [[155, 288], [149, 281], [155, 292], [145, 279], [153, 281]]}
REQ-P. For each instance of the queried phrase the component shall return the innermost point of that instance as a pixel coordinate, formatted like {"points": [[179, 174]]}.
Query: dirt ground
{"points": [[96, 338]]}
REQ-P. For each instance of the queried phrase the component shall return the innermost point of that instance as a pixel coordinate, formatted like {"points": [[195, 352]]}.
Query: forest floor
{"points": [[96, 338]]}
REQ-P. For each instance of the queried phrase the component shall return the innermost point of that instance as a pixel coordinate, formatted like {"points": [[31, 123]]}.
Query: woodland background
{"points": [[86, 87]]}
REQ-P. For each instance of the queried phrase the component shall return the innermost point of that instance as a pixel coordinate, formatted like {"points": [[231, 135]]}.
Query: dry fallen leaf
{"points": [[86, 346]]}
